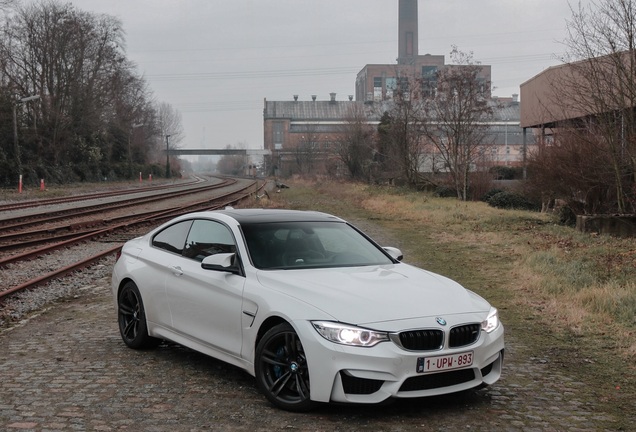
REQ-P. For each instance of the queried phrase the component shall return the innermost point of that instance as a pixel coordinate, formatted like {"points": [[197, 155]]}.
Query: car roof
{"points": [[249, 216]]}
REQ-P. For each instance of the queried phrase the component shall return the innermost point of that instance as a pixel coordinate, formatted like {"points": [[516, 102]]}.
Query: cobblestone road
{"points": [[67, 369]]}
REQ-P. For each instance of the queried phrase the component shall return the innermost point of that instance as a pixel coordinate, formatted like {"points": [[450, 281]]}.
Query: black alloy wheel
{"points": [[281, 369], [132, 318]]}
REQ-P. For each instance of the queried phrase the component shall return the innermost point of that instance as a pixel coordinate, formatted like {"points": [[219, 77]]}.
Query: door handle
{"points": [[176, 270]]}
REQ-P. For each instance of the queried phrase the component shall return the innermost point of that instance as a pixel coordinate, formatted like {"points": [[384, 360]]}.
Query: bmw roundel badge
{"points": [[440, 321]]}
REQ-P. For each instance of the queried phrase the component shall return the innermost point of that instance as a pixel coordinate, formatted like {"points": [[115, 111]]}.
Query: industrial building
{"points": [[295, 127]]}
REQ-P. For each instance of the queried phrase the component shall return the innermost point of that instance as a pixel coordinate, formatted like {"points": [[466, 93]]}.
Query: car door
{"points": [[206, 304], [167, 247]]}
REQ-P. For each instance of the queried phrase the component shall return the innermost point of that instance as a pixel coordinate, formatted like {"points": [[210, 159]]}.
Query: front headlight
{"points": [[491, 322], [349, 335]]}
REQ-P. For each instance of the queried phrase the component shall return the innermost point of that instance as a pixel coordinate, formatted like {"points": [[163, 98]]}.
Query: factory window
{"points": [[377, 88], [277, 138], [429, 72], [404, 87], [483, 86], [429, 80], [391, 85]]}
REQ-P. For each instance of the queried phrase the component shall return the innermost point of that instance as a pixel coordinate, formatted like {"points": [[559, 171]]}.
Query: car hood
{"points": [[375, 294]]}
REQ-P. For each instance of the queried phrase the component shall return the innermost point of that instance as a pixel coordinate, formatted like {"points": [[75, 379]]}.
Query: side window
{"points": [[172, 238], [208, 238]]}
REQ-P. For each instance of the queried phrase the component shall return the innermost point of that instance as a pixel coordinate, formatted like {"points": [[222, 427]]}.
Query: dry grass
{"points": [[528, 266]]}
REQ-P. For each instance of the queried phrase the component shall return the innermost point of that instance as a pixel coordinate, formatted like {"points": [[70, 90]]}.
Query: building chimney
{"points": [[332, 96], [407, 32], [515, 97], [350, 97], [295, 97], [313, 98]]}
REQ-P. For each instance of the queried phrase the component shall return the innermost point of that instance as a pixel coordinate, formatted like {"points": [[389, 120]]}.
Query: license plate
{"points": [[445, 362]]}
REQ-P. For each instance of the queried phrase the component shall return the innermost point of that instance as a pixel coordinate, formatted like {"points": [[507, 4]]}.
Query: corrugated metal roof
{"points": [[308, 110], [339, 110]]}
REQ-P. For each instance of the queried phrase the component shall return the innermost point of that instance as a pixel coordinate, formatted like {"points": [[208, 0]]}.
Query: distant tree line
{"points": [[73, 107]]}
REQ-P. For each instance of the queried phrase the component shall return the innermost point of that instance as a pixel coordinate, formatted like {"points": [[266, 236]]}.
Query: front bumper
{"points": [[340, 373]]}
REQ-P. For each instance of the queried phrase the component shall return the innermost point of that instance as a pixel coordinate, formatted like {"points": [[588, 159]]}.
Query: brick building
{"points": [[295, 130]]}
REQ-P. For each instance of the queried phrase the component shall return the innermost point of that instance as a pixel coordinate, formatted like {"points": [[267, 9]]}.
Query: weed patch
{"points": [[529, 267]]}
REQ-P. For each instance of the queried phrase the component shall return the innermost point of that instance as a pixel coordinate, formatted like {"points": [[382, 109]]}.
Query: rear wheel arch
{"points": [[131, 317]]}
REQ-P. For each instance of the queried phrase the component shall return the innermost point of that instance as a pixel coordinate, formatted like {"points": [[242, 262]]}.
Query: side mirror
{"points": [[221, 262], [395, 253]]}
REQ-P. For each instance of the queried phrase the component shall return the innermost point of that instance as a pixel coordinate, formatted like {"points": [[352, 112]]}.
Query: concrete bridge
{"points": [[194, 152]]}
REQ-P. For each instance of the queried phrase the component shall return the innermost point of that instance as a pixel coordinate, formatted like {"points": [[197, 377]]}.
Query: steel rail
{"points": [[56, 215], [94, 195], [166, 214], [69, 230], [59, 273], [148, 217]]}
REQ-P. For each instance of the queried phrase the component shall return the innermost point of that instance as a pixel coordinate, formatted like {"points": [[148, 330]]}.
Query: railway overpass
{"points": [[196, 152]]}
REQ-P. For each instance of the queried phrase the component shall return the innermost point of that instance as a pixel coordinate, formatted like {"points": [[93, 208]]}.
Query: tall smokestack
{"points": [[407, 32]]}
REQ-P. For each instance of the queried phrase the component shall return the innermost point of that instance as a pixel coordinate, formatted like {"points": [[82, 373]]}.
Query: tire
{"points": [[131, 316], [282, 374]]}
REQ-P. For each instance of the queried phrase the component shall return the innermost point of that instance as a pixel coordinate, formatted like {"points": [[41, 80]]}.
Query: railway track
{"points": [[96, 195], [57, 225], [111, 234], [10, 223]]}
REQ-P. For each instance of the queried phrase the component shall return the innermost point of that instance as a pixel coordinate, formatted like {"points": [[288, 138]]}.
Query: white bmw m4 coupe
{"points": [[308, 304]]}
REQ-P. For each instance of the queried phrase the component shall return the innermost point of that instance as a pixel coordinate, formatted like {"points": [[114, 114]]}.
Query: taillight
{"points": [[118, 254]]}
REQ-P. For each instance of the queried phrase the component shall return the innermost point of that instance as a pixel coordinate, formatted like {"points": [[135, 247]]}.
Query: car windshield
{"points": [[292, 245]]}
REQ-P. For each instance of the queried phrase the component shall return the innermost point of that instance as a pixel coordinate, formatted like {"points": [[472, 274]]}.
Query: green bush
{"points": [[510, 200], [491, 193]]}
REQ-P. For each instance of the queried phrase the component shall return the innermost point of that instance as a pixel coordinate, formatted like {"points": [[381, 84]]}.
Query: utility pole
{"points": [[130, 136], [167, 156]]}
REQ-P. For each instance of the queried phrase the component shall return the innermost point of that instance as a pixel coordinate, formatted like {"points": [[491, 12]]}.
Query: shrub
{"points": [[510, 200], [506, 173], [491, 193], [445, 192], [566, 216]]}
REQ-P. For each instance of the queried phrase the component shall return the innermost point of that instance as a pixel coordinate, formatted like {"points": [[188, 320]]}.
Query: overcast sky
{"points": [[216, 60]]}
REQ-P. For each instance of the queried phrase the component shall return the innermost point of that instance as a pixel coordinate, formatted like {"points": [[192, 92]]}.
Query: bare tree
{"points": [[233, 164], [456, 118], [597, 89], [603, 86], [170, 123], [400, 131], [170, 131], [83, 94], [574, 169], [357, 146], [307, 152], [7, 4]]}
